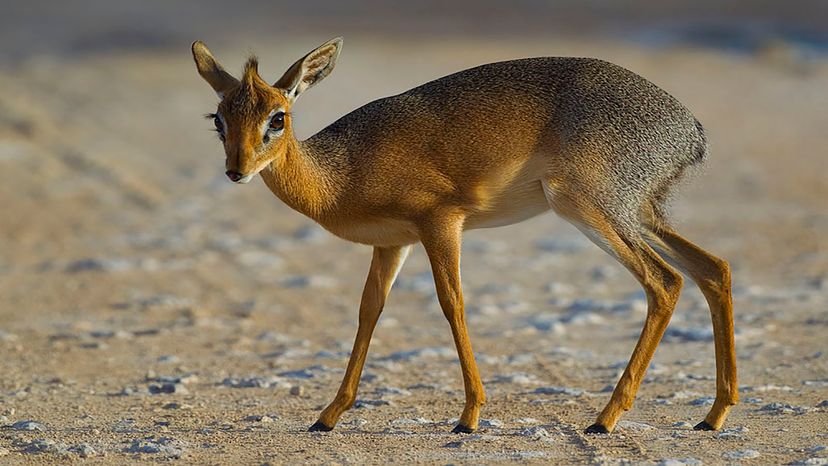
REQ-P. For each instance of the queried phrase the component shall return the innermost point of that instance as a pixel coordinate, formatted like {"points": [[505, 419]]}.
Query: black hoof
{"points": [[703, 426], [319, 427], [596, 429], [461, 429]]}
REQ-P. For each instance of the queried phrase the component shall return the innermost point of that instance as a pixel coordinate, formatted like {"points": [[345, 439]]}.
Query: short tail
{"points": [[700, 149]]}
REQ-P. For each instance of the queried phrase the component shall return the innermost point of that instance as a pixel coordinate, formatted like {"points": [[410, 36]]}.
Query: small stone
{"points": [[415, 421], [558, 391], [166, 388], [391, 391], [356, 422], [175, 405], [297, 390], [684, 335], [703, 401], [4, 451], [782, 408], [490, 423], [83, 450], [371, 403], [43, 445], [732, 433], [689, 461], [28, 425], [741, 454], [152, 445], [535, 433], [252, 382], [520, 378], [264, 419]]}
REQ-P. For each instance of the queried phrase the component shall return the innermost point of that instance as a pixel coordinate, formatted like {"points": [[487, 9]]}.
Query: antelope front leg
{"points": [[384, 268], [442, 244]]}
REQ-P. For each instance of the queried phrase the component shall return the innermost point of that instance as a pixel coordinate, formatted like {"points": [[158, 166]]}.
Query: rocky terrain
{"points": [[152, 311]]}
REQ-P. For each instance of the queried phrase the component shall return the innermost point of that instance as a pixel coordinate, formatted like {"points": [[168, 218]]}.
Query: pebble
{"points": [[297, 390], [703, 401], [391, 391], [422, 353], [535, 433], [741, 454], [157, 445], [815, 461], [558, 391], [732, 433], [177, 406], [490, 423], [415, 421], [253, 382], [28, 425], [42, 445], [100, 265], [356, 422], [4, 451], [688, 334], [265, 419], [371, 403], [83, 450], [520, 378], [167, 388], [297, 374], [783, 408], [689, 461]]}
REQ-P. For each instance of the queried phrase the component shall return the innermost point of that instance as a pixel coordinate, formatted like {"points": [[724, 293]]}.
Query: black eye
{"points": [[277, 123], [217, 122]]}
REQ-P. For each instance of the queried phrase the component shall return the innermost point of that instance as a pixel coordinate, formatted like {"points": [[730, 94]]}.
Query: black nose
{"points": [[233, 175]]}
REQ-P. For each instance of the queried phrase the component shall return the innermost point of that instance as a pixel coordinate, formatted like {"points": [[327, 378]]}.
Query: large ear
{"points": [[209, 69], [310, 69]]}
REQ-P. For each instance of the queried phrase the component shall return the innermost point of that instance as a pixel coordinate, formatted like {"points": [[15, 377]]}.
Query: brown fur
{"points": [[489, 146]]}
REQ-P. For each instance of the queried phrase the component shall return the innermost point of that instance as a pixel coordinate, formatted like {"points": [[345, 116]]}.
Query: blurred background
{"points": [[122, 243]]}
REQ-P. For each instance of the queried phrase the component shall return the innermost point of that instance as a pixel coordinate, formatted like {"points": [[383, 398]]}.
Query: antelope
{"points": [[485, 147]]}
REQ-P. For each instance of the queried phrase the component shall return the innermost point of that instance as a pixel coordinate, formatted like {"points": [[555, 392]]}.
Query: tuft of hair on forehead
{"points": [[250, 76], [252, 88]]}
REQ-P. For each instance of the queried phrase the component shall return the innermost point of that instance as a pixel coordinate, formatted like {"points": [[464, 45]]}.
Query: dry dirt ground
{"points": [[152, 311]]}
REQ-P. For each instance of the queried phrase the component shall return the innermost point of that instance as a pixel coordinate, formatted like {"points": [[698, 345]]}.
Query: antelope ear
{"points": [[310, 69], [209, 69]]}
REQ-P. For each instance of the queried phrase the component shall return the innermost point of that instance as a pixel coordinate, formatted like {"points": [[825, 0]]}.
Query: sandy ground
{"points": [[151, 311]]}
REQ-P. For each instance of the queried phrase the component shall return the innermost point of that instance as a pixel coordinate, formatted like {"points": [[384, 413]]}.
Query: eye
{"points": [[217, 122], [277, 123]]}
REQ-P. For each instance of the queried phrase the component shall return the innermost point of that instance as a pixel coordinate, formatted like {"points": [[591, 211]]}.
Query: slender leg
{"points": [[712, 275], [442, 244], [385, 265], [662, 285]]}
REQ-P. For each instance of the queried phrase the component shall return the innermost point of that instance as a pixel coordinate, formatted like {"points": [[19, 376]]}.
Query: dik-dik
{"points": [[489, 146]]}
